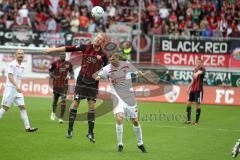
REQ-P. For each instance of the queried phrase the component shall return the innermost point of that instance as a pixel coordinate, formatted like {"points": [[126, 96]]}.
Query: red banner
{"points": [[189, 59], [219, 95]]}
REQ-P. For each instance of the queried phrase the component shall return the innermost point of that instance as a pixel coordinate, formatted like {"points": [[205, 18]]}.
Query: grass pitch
{"points": [[164, 134]]}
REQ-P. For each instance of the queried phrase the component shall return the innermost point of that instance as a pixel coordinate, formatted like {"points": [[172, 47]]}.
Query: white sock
{"points": [[25, 118], [2, 111], [138, 132], [119, 130]]}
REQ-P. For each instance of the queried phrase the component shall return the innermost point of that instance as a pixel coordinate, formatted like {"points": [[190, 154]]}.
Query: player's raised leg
{"points": [[72, 117], [119, 130], [91, 119]]}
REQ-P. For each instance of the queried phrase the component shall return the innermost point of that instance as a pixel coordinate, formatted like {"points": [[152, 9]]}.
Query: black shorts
{"points": [[195, 96], [85, 90], [60, 92]]}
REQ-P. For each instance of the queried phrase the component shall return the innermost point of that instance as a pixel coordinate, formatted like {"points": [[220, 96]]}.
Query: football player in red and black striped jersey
{"points": [[60, 71], [93, 59], [195, 91]]}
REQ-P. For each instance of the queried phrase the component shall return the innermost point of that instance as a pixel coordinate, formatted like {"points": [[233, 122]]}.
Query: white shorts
{"points": [[10, 95], [129, 111]]}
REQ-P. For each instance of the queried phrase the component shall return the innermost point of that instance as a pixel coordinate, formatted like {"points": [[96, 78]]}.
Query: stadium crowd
{"points": [[173, 17]]}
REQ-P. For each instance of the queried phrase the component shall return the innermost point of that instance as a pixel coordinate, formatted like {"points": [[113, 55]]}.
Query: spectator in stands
{"points": [[88, 4], [186, 33], [164, 28], [65, 23], [217, 32], [223, 23], [235, 33], [163, 11], [207, 32], [23, 12], [196, 11], [84, 19], [156, 29], [51, 24], [238, 26], [204, 22], [74, 24], [173, 18], [173, 4], [211, 21], [2, 22], [196, 30], [111, 10], [92, 26]]}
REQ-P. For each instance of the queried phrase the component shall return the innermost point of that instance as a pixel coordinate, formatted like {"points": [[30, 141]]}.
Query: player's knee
{"points": [[75, 104], [91, 105], [198, 106], [189, 104], [135, 122], [5, 108], [22, 107], [119, 119], [63, 102]]}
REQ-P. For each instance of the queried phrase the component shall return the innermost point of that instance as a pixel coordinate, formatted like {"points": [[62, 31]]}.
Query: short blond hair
{"points": [[102, 35], [19, 50]]}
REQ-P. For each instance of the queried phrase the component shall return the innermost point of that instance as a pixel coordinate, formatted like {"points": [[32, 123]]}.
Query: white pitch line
{"points": [[178, 127], [157, 125]]}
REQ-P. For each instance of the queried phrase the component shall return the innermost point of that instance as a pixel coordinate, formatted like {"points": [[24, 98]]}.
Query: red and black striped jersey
{"points": [[92, 61], [59, 71], [197, 84]]}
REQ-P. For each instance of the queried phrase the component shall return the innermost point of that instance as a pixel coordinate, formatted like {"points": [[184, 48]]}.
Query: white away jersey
{"points": [[121, 82], [17, 70]]}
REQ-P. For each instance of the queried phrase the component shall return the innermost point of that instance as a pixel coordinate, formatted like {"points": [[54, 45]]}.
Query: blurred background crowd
{"points": [[209, 18]]}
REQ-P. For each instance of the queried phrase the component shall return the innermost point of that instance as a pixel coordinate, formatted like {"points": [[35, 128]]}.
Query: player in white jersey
{"points": [[12, 92], [124, 103]]}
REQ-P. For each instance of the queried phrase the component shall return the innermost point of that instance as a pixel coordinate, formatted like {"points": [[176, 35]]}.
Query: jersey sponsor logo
{"points": [[91, 59]]}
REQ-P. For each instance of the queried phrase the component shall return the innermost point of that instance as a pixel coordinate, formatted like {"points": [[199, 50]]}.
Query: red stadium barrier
{"points": [[212, 95]]}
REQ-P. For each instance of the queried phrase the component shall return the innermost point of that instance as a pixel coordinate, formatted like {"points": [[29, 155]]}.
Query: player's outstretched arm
{"points": [[51, 50]]}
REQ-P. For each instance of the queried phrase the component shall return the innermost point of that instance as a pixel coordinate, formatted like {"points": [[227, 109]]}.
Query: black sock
{"points": [[63, 106], [91, 121], [198, 112], [54, 106], [72, 116], [189, 108]]}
